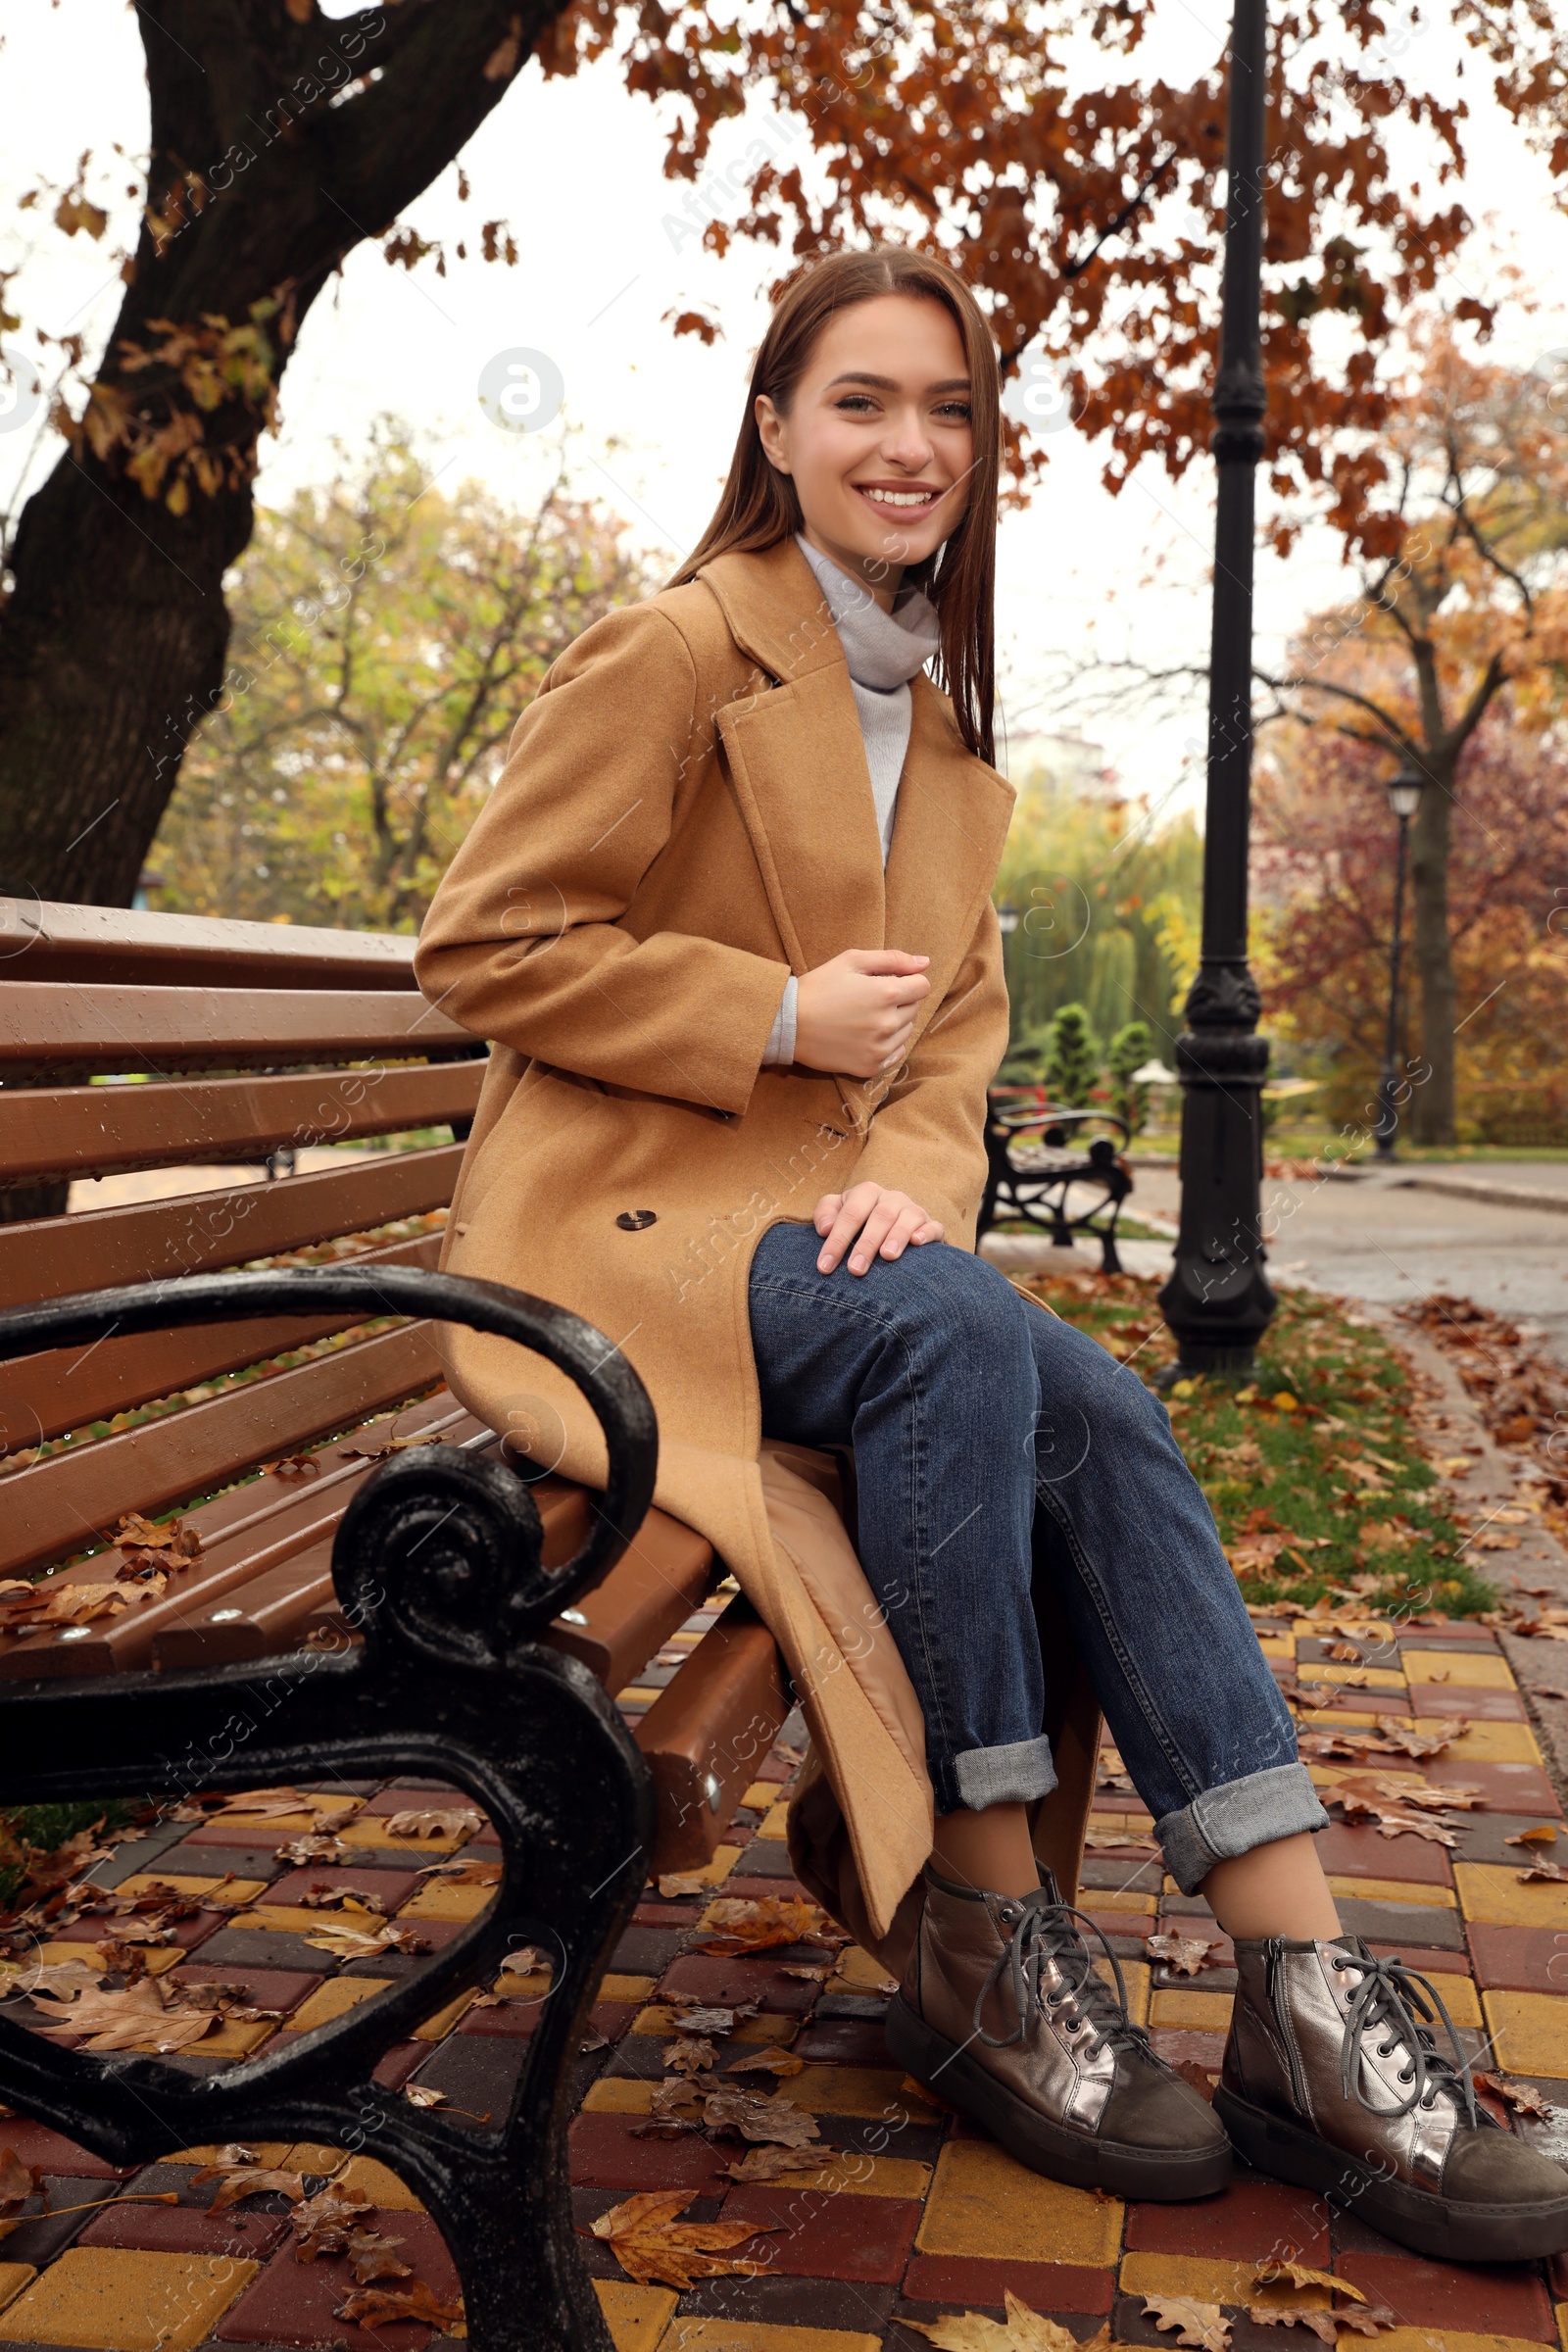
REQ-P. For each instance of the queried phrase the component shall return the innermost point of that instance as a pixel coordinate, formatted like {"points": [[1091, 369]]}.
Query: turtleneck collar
{"points": [[883, 649]]}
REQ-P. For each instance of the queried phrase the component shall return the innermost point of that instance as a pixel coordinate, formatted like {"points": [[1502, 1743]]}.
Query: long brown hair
{"points": [[758, 506]]}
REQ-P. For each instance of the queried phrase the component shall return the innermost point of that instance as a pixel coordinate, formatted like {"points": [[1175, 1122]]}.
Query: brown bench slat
{"points": [[70, 1387], [666, 1571], [60, 941], [48, 1026], [246, 1535], [98, 1130], [274, 1608], [62, 1505], [52, 1256], [707, 1733]]}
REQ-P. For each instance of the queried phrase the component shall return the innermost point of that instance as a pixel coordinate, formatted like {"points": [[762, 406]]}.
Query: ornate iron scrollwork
{"points": [[437, 1564], [1030, 1177]]}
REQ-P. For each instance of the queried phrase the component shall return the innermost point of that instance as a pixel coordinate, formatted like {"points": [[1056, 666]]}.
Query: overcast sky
{"points": [[576, 167]]}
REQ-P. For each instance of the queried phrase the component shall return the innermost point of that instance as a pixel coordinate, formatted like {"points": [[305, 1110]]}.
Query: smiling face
{"points": [[878, 440]]}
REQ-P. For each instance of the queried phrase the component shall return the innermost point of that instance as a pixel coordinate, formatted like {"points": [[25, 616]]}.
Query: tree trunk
{"points": [[273, 153], [1432, 1102]]}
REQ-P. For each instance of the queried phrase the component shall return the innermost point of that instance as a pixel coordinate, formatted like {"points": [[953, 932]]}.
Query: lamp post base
{"points": [[1217, 1300]]}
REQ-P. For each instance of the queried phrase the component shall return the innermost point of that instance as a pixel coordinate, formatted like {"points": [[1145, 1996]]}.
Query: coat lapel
{"points": [[948, 839]]}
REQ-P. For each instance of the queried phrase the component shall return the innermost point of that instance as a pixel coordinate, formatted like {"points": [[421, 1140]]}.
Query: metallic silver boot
{"points": [[1002, 2012], [1332, 2080]]}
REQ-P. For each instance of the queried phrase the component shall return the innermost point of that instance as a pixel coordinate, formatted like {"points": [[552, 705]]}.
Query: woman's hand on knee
{"points": [[886, 1222]]}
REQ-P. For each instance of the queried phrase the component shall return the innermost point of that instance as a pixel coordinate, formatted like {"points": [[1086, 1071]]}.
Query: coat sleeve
{"points": [[928, 1137], [524, 941]]}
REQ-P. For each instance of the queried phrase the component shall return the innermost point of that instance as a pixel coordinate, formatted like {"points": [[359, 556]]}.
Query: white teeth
{"points": [[900, 498]]}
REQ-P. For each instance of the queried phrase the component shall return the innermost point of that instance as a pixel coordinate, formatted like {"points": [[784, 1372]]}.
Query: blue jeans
{"points": [[991, 1439]]}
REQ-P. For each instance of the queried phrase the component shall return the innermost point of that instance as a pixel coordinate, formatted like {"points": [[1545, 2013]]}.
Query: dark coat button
{"points": [[636, 1220]]}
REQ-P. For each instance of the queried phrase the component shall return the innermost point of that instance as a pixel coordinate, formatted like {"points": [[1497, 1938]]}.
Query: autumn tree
{"points": [[1464, 612], [1085, 207], [387, 635]]}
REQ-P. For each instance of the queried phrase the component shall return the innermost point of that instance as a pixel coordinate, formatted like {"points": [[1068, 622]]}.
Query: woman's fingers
{"points": [[854, 1207], [870, 1220]]}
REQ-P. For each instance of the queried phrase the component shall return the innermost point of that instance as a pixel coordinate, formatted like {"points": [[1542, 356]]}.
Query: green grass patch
{"points": [[1313, 1467], [27, 1829]]}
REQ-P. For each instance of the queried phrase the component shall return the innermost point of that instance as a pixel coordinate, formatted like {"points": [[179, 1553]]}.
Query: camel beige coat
{"points": [[685, 818]]}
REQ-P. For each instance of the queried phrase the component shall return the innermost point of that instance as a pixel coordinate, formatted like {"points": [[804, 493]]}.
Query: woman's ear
{"points": [[770, 432]]}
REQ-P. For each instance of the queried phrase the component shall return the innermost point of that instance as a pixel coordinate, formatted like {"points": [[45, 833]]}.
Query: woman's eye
{"points": [[855, 400], [956, 412]]}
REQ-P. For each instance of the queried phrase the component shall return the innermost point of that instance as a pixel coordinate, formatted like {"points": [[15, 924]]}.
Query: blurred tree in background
{"points": [[388, 636], [1072, 1058], [1130, 1049]]}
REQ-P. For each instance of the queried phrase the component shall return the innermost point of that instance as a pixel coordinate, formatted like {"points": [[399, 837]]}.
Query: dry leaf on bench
{"points": [[654, 2248], [771, 2061], [378, 2306], [1023, 2331], [1203, 2324], [451, 1820], [1186, 1955]]}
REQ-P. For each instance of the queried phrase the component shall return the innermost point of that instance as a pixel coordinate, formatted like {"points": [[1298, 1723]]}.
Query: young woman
{"points": [[726, 921]]}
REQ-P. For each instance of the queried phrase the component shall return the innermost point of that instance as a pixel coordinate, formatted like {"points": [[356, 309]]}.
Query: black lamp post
{"points": [[1217, 1300], [1405, 798]]}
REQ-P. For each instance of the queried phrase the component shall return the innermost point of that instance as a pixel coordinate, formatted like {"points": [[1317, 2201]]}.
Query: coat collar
{"points": [[798, 766]]}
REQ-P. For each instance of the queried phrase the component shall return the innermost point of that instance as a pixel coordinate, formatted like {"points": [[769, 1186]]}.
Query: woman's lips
{"points": [[898, 507]]}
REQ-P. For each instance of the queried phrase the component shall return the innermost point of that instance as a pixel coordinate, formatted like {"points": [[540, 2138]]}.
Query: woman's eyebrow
{"points": [[888, 383]]}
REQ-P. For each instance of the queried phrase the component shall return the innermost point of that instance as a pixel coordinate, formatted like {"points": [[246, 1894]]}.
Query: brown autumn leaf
{"points": [[676, 1882], [1285, 2271], [738, 1924], [1323, 2323], [342, 1898], [772, 2162], [322, 2222], [311, 1849], [771, 2061], [371, 2257], [1523, 2097], [18, 2181], [1098, 1840], [1022, 2331], [292, 1466], [689, 2054], [1185, 1955], [1544, 1834], [236, 2182], [464, 1874], [177, 1535], [657, 2250], [1367, 2323], [758, 2117], [1203, 2324], [380, 2306], [137, 2019], [434, 1820], [1552, 1870], [354, 1943], [698, 2018], [808, 1974]]}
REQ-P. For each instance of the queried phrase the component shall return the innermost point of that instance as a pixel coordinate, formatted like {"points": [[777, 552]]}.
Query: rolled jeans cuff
{"points": [[1013, 1775], [1231, 1819]]}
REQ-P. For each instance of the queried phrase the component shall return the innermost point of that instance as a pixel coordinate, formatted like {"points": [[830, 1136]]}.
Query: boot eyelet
{"points": [[1337, 1966], [1406, 2074]]}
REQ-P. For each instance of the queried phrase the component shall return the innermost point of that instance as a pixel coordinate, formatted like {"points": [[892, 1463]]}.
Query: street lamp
{"points": [[1217, 1300], [1405, 798]]}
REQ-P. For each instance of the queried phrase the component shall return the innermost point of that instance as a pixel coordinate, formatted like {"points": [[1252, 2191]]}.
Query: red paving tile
{"points": [[1470, 2299], [1254, 2218], [721, 1980], [1363, 1853], [186, 2230], [394, 1887], [35, 2145], [1043, 2286], [1522, 1959], [603, 2153], [265, 1988], [818, 2234], [295, 2302]]}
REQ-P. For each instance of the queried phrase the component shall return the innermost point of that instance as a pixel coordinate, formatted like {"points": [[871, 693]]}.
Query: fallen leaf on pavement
{"points": [[736, 1924], [434, 1820], [1523, 2097], [771, 2163], [1120, 1842], [1203, 2324], [323, 2224], [1367, 2323], [311, 1849], [238, 2181], [18, 2181], [378, 2306], [689, 2054], [805, 1970], [421, 2094], [371, 2257], [756, 2116], [1185, 1954], [1285, 2271], [1023, 2331], [1544, 1834], [1553, 1871], [772, 2061], [353, 1943], [136, 2019], [657, 2250], [676, 1882]]}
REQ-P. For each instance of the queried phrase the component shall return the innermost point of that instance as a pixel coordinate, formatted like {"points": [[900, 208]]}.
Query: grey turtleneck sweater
{"points": [[883, 651]]}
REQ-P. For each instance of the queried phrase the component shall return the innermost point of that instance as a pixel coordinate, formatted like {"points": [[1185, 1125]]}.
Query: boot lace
{"points": [[1045, 1930], [1393, 1997]]}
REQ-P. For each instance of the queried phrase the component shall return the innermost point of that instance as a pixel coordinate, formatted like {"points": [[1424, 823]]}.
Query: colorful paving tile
{"points": [[912, 2213]]}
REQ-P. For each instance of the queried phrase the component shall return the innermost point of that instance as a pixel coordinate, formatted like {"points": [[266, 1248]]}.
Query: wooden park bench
{"points": [[1033, 1169], [185, 1460]]}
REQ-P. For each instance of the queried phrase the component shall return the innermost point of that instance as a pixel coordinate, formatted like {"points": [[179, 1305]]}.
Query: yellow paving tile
{"points": [[1460, 1995], [1137, 1976], [1276, 1645], [858, 1971], [14, 2277], [759, 2336], [1202, 2277], [255, 1829], [232, 2040], [1495, 1895], [440, 1900], [819, 2090], [1530, 2031], [1492, 1743], [333, 1998], [1562, 2325], [982, 2202], [385, 2189], [269, 2152], [1445, 2339], [315, 2156], [371, 1829], [1355, 1678], [618, 2094], [777, 1823], [437, 2027], [289, 1919], [234, 1890], [626, 1988], [636, 2315], [714, 1871], [1485, 1671], [1198, 2012], [768, 2028], [760, 1795], [113, 2300], [1391, 1890]]}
